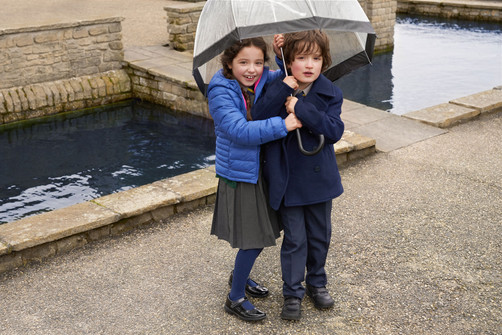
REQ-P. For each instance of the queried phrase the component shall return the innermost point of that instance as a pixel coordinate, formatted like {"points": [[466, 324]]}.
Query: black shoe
{"points": [[257, 291], [320, 296], [235, 307], [292, 308]]}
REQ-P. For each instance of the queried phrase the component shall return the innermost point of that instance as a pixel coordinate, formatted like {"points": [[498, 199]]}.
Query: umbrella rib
{"points": [[234, 19]]}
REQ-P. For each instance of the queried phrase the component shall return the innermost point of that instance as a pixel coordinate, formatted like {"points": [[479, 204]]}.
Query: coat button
{"points": [[317, 168]]}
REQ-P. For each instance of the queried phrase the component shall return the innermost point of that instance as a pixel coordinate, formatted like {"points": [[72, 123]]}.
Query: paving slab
{"points": [[443, 115], [486, 101], [55, 225], [395, 132], [138, 200]]}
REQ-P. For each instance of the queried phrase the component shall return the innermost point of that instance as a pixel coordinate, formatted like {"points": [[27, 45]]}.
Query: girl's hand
{"points": [[292, 122], [290, 104], [278, 43], [291, 82]]}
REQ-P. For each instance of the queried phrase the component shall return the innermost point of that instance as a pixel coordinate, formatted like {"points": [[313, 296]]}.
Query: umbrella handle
{"points": [[313, 152]]}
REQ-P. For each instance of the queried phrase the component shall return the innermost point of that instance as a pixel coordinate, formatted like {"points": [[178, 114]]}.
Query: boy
{"points": [[302, 187]]}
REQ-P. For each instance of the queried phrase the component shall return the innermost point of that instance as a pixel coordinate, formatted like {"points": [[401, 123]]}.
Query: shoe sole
{"points": [[228, 310], [319, 306], [291, 317]]}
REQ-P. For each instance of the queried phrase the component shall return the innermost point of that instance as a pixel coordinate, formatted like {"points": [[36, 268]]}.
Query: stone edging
{"points": [[38, 237], [37, 100], [454, 9], [459, 110]]}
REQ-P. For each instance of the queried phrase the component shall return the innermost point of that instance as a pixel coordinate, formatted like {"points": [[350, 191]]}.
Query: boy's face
{"points": [[306, 67]]}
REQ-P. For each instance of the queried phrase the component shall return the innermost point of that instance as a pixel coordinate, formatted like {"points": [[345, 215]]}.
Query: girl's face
{"points": [[306, 67], [247, 66]]}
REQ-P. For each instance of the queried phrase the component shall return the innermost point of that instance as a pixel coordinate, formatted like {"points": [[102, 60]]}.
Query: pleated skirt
{"points": [[243, 217]]}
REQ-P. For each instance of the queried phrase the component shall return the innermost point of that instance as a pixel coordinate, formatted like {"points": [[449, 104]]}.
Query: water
{"points": [[63, 160], [434, 60]]}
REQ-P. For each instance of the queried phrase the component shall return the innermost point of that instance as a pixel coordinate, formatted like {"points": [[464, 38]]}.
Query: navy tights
{"points": [[244, 262]]}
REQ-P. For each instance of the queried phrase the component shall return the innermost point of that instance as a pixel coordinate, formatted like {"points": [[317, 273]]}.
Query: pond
{"points": [[434, 60], [59, 161]]}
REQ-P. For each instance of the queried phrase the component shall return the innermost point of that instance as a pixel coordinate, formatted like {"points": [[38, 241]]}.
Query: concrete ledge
{"points": [[353, 146], [443, 115], [41, 236], [487, 101], [459, 110], [37, 237], [454, 9]]}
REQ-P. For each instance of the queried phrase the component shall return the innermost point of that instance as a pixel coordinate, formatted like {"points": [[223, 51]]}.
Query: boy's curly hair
{"points": [[307, 42], [230, 53]]}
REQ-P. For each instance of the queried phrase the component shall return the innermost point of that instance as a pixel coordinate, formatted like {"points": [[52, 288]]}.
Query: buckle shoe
{"points": [[291, 310], [320, 296], [235, 308], [257, 291]]}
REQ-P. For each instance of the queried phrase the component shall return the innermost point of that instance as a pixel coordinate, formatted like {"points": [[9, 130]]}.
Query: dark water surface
{"points": [[434, 60], [63, 160]]}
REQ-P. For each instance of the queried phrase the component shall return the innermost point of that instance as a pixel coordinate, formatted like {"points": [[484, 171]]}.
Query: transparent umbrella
{"points": [[224, 22]]}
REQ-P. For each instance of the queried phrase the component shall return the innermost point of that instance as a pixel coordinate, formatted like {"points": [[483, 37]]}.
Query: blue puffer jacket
{"points": [[238, 140]]}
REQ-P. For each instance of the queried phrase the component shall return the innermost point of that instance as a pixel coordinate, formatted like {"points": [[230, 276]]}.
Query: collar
{"points": [[305, 91]]}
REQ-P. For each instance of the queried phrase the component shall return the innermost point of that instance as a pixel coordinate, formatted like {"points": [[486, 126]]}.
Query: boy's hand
{"points": [[278, 44], [292, 122], [291, 82], [290, 104]]}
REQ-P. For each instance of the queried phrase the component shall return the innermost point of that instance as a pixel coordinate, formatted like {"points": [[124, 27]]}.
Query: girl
{"points": [[242, 215]]}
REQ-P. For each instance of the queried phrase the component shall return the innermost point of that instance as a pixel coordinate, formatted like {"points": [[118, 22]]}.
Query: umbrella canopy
{"points": [[223, 22]]}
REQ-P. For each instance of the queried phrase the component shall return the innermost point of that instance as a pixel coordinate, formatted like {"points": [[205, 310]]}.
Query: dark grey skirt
{"points": [[243, 217]]}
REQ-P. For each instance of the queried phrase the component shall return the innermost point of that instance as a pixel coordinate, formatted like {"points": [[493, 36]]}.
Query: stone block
{"points": [[15, 100], [32, 101], [485, 101], [3, 110], [55, 225], [69, 243], [128, 224], [77, 88], [443, 115], [80, 32], [192, 185], [98, 30], [10, 261], [38, 253], [23, 40], [138, 200], [22, 97], [48, 36]]}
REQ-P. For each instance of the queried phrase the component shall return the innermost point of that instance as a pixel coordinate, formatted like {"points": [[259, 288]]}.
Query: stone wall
{"points": [[182, 22], [382, 15], [180, 95], [61, 67], [454, 9], [37, 100]]}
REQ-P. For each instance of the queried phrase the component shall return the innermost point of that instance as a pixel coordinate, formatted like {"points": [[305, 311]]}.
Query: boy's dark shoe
{"points": [[292, 308], [320, 296]]}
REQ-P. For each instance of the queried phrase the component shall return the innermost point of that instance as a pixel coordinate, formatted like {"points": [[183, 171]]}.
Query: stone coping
{"points": [[60, 25], [477, 4], [48, 234], [459, 110]]}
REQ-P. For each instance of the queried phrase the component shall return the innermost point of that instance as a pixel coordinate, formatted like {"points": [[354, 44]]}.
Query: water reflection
{"points": [[77, 157], [434, 60]]}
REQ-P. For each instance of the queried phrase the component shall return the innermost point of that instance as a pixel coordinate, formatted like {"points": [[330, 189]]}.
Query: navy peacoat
{"points": [[293, 177]]}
